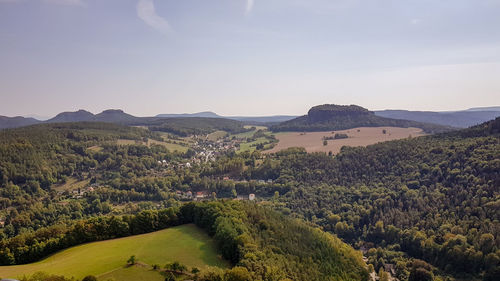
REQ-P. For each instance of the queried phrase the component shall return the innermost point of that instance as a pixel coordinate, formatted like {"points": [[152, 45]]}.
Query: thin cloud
{"points": [[147, 12], [249, 6]]}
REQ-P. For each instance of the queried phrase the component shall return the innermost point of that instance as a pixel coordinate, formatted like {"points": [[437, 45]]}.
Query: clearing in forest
{"points": [[362, 136], [187, 244]]}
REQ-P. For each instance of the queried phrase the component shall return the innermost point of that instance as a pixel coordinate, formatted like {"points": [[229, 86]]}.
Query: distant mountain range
{"points": [[490, 108], [18, 121], [204, 114], [247, 119], [330, 117], [110, 116], [458, 119]]}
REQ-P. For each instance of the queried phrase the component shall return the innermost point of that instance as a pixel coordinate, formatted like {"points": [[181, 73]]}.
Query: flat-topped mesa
{"points": [[328, 117], [327, 111]]}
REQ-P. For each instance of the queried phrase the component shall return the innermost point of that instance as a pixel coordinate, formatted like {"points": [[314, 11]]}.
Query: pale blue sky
{"points": [[243, 57]]}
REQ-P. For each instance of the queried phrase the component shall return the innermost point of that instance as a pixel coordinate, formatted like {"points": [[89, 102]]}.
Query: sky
{"points": [[247, 57]]}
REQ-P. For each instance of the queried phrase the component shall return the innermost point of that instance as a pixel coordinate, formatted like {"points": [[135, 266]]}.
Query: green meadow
{"points": [[187, 244]]}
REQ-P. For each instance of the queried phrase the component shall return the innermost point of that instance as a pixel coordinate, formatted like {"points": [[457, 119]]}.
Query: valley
{"points": [[249, 140], [403, 197]]}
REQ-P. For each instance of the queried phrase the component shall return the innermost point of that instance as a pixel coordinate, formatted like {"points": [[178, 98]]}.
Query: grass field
{"points": [[169, 146], [105, 259], [71, 183], [256, 127], [132, 273], [251, 146], [363, 136], [249, 133], [216, 135]]}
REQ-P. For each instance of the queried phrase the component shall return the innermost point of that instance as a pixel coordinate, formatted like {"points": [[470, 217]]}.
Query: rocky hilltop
{"points": [[341, 117]]}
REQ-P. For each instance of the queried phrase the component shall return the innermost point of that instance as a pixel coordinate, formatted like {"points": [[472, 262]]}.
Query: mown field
{"points": [[216, 135], [150, 142], [186, 244], [362, 136]]}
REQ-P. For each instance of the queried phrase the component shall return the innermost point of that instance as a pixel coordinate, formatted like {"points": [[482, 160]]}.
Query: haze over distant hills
{"points": [[250, 119], [458, 119], [110, 116], [329, 117], [489, 108], [18, 121]]}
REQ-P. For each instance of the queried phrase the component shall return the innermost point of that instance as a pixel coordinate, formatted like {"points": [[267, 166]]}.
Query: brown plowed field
{"points": [[363, 136]]}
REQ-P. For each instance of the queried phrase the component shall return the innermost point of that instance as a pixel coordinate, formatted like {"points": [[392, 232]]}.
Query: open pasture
{"points": [[150, 142], [187, 244], [362, 136]]}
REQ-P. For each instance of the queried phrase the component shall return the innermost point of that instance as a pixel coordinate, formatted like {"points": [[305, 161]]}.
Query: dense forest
{"points": [[435, 198], [426, 206], [195, 125]]}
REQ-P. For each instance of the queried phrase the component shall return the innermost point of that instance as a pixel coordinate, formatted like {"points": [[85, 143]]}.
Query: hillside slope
{"points": [[261, 243], [434, 198], [18, 121], [458, 119], [274, 247], [187, 244], [329, 117], [185, 125], [77, 116]]}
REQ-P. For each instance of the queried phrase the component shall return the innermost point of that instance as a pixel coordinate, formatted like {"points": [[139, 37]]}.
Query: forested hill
{"points": [[14, 122], [329, 117], [459, 119], [273, 246], [185, 126], [47, 153], [435, 198], [182, 126], [259, 242]]}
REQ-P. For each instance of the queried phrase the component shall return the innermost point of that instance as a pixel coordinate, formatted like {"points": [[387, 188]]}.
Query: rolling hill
{"points": [[77, 116], [255, 239], [329, 117], [15, 122], [206, 114], [247, 119], [176, 125], [458, 119], [185, 126], [186, 244]]}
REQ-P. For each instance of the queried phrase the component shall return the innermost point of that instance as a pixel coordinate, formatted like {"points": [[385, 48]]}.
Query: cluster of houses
{"points": [[207, 150]]}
